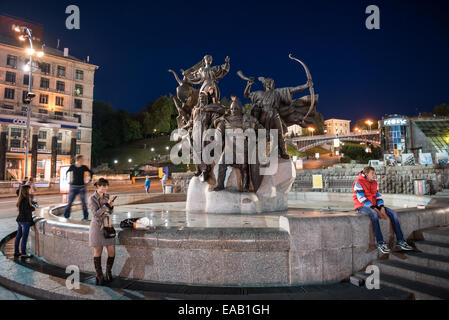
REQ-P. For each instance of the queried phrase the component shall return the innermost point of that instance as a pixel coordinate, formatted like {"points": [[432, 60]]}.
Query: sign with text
{"points": [[317, 180], [395, 122], [64, 182]]}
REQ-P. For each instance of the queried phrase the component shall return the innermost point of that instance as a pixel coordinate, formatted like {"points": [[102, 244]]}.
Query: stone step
{"points": [[433, 247], [440, 234], [422, 259], [421, 291], [411, 272]]}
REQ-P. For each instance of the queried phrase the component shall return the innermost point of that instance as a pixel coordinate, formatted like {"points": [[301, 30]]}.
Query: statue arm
{"points": [[300, 88], [247, 92]]}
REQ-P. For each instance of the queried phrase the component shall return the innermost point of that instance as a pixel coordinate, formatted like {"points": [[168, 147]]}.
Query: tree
{"points": [[247, 108], [361, 124], [101, 111], [318, 123], [225, 102], [442, 110], [162, 115]]}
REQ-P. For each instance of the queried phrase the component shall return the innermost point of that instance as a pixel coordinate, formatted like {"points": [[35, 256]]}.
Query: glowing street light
{"points": [[311, 129], [115, 161], [130, 160], [369, 122], [26, 33], [152, 149], [167, 147]]}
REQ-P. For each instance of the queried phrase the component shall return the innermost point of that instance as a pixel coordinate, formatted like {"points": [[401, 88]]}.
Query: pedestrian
{"points": [[147, 184], [163, 181], [24, 220], [102, 206], [368, 200], [131, 175], [77, 186]]}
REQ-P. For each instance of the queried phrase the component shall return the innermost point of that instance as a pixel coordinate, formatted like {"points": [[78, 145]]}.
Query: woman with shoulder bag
{"points": [[101, 232], [24, 220]]}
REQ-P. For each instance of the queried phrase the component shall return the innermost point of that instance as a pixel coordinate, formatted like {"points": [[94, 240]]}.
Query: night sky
{"points": [[358, 73]]}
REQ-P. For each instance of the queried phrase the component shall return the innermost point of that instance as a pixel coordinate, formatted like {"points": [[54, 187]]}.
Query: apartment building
{"points": [[61, 112], [337, 127]]}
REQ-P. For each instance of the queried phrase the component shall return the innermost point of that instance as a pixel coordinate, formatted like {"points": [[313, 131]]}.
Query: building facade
{"points": [[61, 112], [335, 127], [414, 135], [294, 131]]}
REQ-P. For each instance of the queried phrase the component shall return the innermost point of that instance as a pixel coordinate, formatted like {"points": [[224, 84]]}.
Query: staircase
{"points": [[424, 272], [442, 194]]}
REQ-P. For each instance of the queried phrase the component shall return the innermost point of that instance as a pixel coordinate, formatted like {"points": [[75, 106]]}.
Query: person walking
{"points": [[163, 181], [147, 184], [77, 186], [368, 200], [101, 206], [24, 220]]}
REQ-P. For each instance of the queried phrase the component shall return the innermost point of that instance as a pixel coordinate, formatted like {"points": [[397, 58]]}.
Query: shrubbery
{"points": [[357, 152]]}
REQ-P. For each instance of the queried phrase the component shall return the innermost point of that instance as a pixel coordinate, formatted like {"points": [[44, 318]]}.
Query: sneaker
{"points": [[85, 219], [26, 256], [404, 245], [383, 247]]}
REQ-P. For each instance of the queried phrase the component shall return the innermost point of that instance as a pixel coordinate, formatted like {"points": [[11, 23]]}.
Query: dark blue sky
{"points": [[357, 72]]}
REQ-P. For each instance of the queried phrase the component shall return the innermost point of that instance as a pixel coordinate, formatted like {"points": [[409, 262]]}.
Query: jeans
{"points": [[74, 190], [22, 233], [147, 189], [375, 220]]}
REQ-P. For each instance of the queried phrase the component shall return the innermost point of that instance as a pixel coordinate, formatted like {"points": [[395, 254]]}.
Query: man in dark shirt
{"points": [[77, 186]]}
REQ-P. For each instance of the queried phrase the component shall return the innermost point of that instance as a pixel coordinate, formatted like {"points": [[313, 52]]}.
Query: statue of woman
{"points": [[207, 76]]}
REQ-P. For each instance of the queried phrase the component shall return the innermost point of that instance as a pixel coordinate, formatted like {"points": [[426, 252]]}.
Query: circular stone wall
{"points": [[289, 248]]}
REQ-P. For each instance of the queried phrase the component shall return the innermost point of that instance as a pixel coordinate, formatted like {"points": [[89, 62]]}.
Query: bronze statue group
{"points": [[271, 108]]}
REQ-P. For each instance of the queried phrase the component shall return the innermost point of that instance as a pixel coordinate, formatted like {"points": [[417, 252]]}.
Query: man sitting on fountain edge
{"points": [[367, 200]]}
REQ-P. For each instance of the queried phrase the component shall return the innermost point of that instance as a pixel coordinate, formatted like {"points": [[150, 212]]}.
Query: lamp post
{"points": [[26, 33], [311, 129], [369, 122]]}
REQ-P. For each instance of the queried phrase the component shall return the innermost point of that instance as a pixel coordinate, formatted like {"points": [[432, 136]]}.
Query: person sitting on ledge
{"points": [[368, 200]]}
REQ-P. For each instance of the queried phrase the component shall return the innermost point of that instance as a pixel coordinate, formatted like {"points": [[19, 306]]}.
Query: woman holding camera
{"points": [[24, 220], [101, 206]]}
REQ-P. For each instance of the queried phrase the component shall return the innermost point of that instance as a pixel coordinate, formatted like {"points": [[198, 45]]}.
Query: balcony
{"points": [[40, 116]]}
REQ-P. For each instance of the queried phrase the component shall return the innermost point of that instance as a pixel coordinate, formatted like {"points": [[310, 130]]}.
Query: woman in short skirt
{"points": [[101, 206]]}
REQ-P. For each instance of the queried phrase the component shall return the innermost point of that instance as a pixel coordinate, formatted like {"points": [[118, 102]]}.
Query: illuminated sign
{"points": [[395, 122]]}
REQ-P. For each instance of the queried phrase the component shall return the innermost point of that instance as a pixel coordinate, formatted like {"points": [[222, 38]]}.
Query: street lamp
{"points": [[152, 149], [130, 160], [26, 33], [115, 161], [311, 129], [369, 122], [167, 147]]}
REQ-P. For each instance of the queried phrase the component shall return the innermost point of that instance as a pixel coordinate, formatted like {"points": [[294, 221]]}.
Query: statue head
{"points": [[236, 108], [268, 83], [207, 60]]}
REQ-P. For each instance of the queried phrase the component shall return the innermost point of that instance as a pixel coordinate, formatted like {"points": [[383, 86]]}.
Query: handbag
{"points": [[108, 229]]}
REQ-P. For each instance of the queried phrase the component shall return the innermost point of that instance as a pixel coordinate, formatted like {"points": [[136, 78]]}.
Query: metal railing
{"points": [[41, 116]]}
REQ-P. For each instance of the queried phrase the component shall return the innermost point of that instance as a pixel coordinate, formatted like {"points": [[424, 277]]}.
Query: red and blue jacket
{"points": [[365, 193]]}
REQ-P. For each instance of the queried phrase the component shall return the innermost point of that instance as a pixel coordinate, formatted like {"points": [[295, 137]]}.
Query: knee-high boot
{"points": [[109, 264], [99, 272]]}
